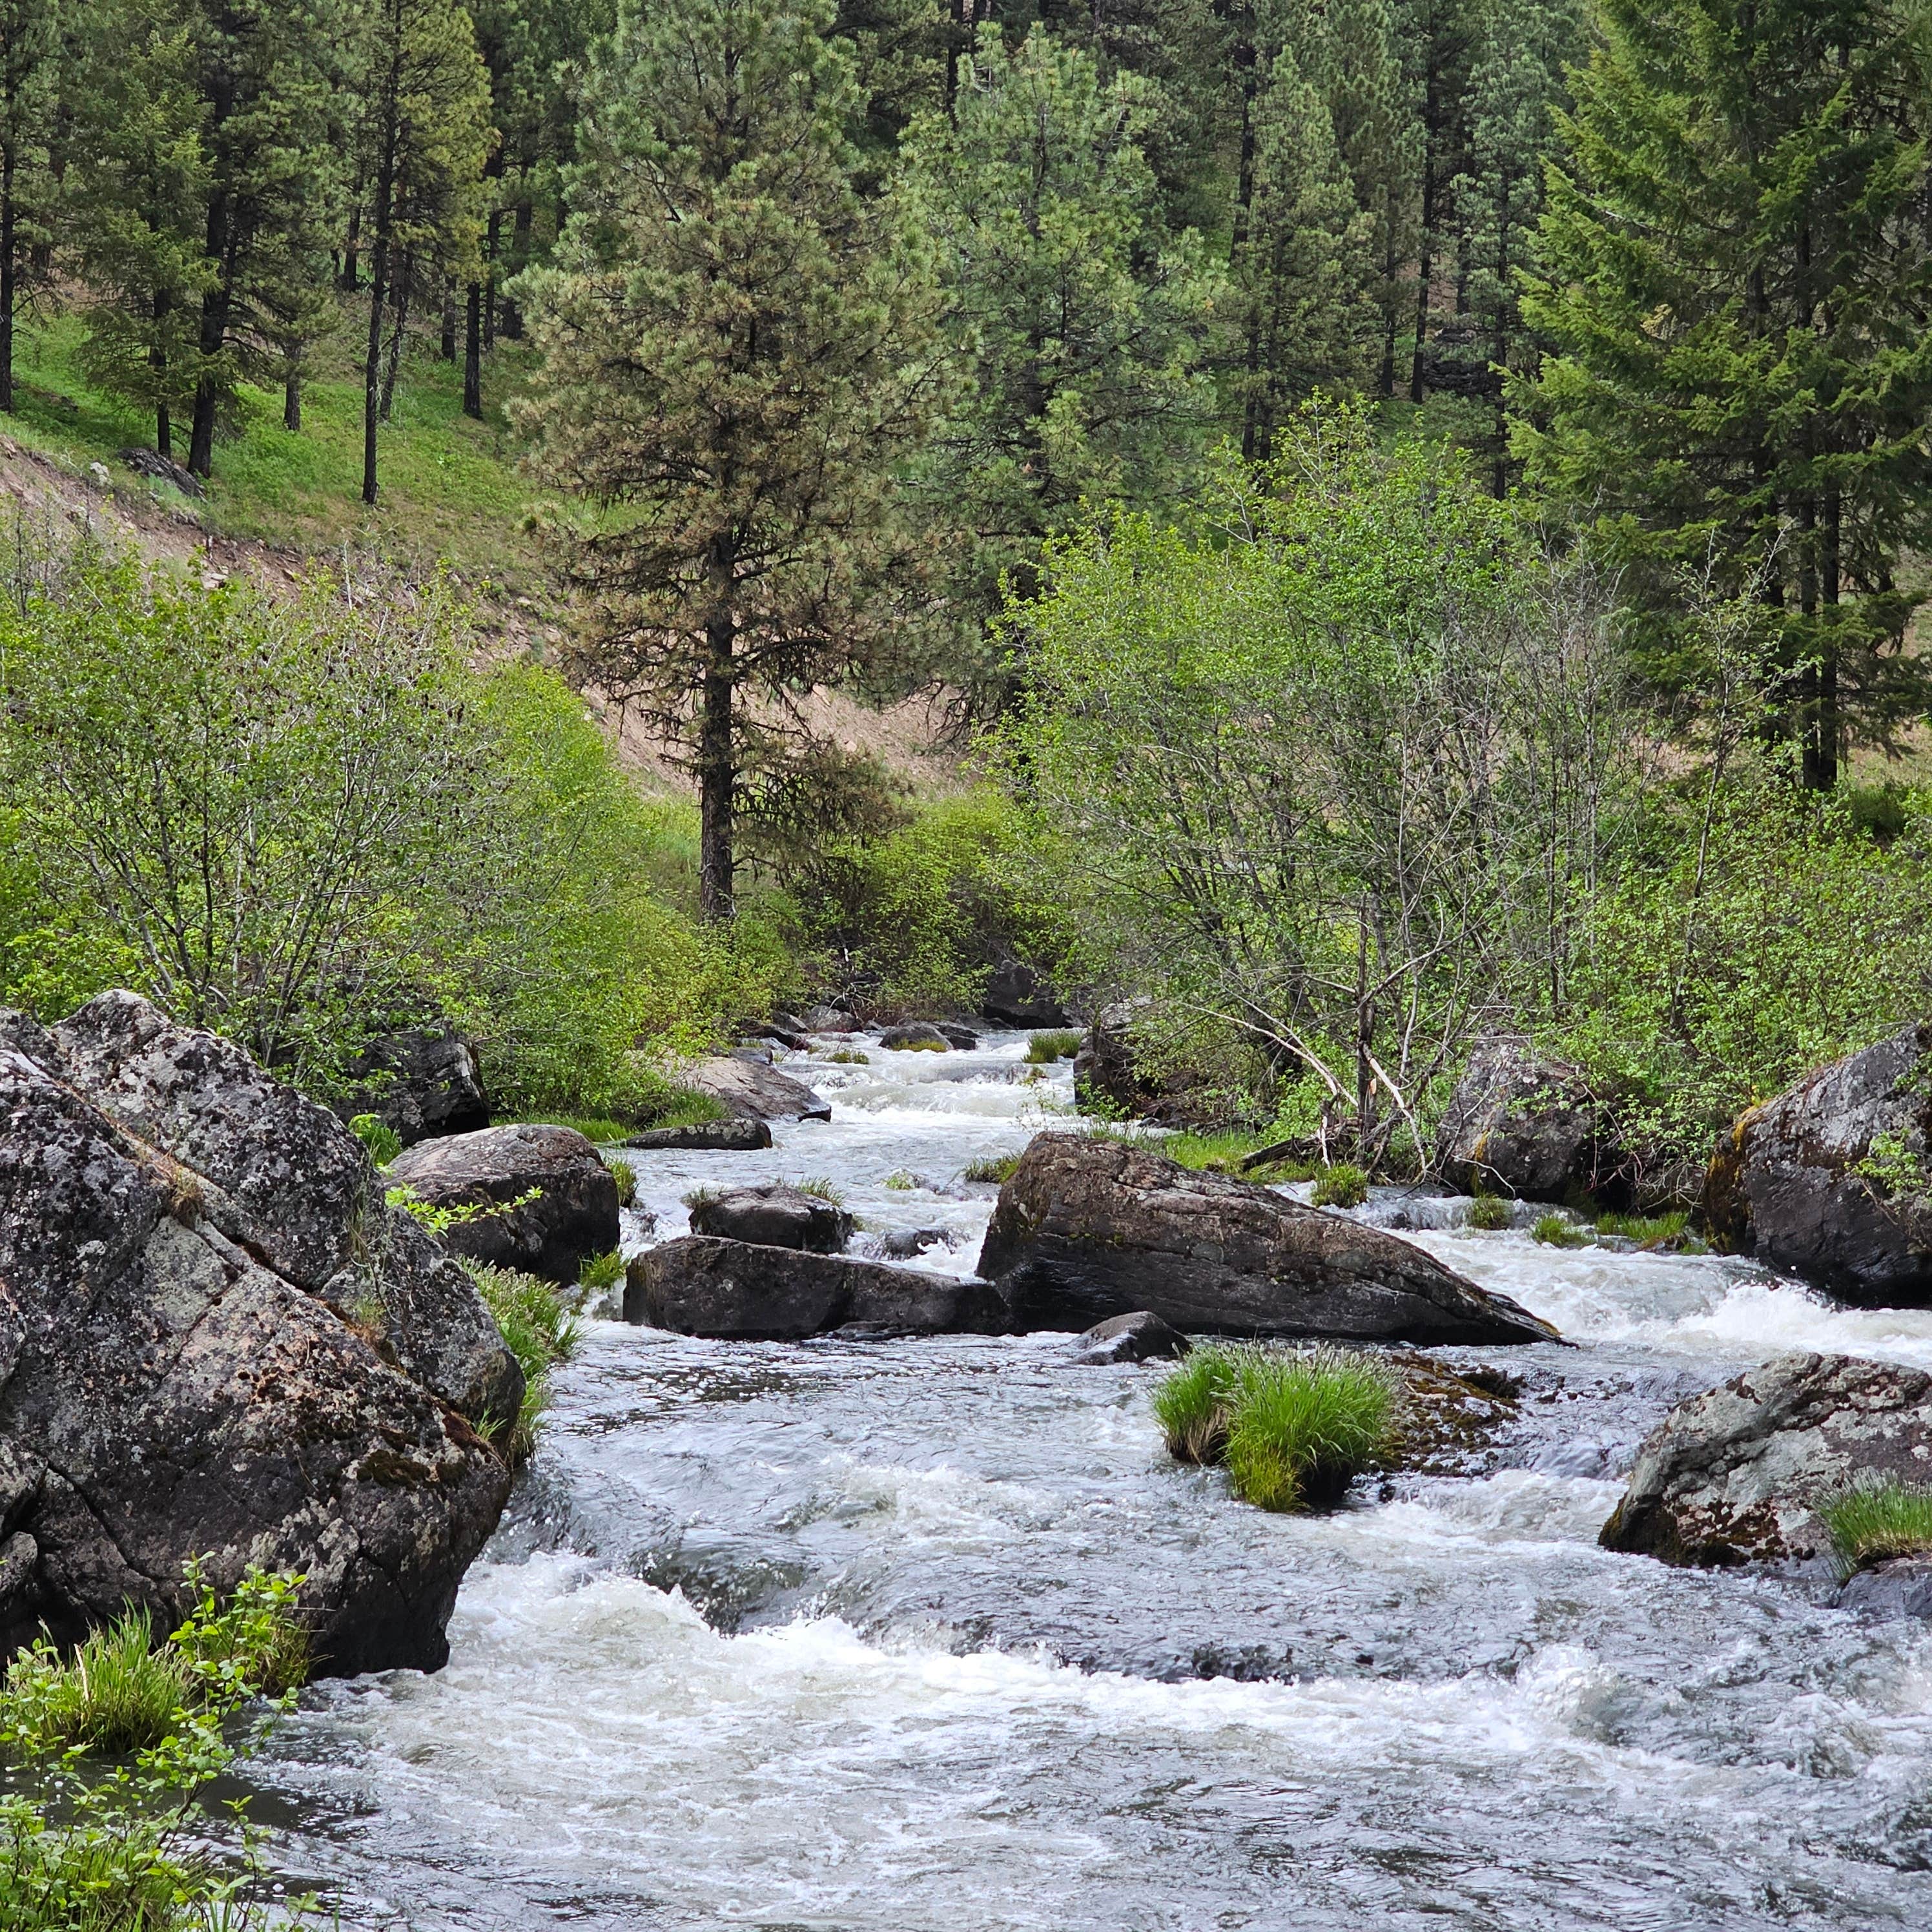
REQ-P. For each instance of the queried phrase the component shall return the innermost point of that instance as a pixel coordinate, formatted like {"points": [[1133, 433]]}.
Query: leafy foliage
{"points": [[539, 1331]]}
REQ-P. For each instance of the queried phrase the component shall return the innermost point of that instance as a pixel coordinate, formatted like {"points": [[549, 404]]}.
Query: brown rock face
{"points": [[1730, 1476], [1833, 1179], [1086, 1229], [215, 1341]]}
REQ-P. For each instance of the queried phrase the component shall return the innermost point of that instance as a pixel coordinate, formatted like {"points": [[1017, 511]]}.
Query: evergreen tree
{"points": [[424, 132], [736, 351], [30, 50], [1735, 266], [1435, 37], [1079, 320]]}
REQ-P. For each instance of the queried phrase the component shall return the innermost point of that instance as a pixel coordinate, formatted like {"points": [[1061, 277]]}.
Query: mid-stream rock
{"points": [[1086, 1228], [916, 1036], [1521, 1124], [1138, 1337], [702, 1285], [774, 1216], [1730, 1476], [420, 1081], [750, 1091], [1015, 996], [216, 1341], [1833, 1179], [740, 1136], [572, 1216]]}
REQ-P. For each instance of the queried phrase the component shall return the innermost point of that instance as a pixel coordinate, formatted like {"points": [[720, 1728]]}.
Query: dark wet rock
{"points": [[1138, 1337], [963, 1039], [215, 1340], [905, 1243], [774, 1216], [1086, 1228], [1833, 1180], [572, 1216], [701, 1285], [1730, 1476], [1108, 1079], [742, 1135], [1016, 996], [1448, 1418], [152, 463], [1902, 1588], [917, 1037], [752, 1091], [1521, 1123], [420, 1081], [790, 1034]]}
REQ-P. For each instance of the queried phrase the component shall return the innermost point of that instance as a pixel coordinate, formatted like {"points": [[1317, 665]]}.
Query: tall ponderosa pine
{"points": [[1736, 266], [736, 350], [30, 47]]}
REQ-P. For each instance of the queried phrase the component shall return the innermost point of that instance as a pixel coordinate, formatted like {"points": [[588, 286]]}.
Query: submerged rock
{"points": [[904, 1243], [752, 1091], [1141, 1336], [1086, 1228], [420, 1081], [574, 1216], [1521, 1124], [740, 1136], [703, 1285], [1730, 1476], [216, 1341], [774, 1216], [1015, 996], [1833, 1179]]}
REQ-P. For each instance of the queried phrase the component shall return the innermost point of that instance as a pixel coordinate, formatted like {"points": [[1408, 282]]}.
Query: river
{"points": [[932, 1636]]}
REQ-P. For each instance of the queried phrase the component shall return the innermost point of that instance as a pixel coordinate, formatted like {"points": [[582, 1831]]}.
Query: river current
{"points": [[932, 1636]]}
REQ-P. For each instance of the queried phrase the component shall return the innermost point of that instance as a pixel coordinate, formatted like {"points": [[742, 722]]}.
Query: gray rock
{"points": [[1141, 1336], [1087, 1229], [1902, 1588], [828, 1019], [1015, 996], [738, 1135], [1786, 1186], [420, 1081], [1730, 1476], [774, 1216], [963, 1039], [151, 463], [701, 1285], [179, 1373], [1521, 1124], [905, 1243], [752, 1092], [574, 1216], [917, 1037]]}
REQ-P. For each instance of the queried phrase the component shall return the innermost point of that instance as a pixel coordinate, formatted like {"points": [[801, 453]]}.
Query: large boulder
{"points": [[1730, 1476], [1015, 996], [737, 1290], [1520, 1123], [915, 1037], [774, 1216], [751, 1091], [420, 1081], [571, 1215], [215, 1341], [1138, 1337], [1832, 1179], [1086, 1229]]}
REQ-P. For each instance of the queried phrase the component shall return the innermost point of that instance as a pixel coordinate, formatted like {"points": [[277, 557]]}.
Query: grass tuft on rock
{"points": [[625, 1176], [1192, 1403], [539, 1331], [996, 1168], [1490, 1212], [1057, 1043], [1343, 1185], [1649, 1231], [848, 1056], [1873, 1518], [1557, 1230], [821, 1188]]}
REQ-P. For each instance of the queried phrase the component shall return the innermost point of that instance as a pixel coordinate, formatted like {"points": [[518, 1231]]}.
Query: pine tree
{"points": [[1435, 37], [1735, 266], [30, 50], [424, 132], [736, 351]]}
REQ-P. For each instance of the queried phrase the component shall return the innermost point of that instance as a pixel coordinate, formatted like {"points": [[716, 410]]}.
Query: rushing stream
{"points": [[932, 1636]]}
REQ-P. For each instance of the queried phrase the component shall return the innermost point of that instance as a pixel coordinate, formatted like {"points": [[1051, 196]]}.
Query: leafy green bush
{"points": [[1490, 1212], [1876, 1517], [997, 1168], [381, 1140], [1557, 1230], [1044, 1049], [538, 1331], [439, 1220], [1341, 1185], [625, 1176]]}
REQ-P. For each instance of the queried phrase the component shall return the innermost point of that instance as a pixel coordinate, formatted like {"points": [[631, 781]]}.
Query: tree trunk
{"points": [[158, 361], [405, 275], [447, 347], [378, 296], [1432, 109], [351, 275], [1254, 430], [512, 323], [492, 236], [472, 352], [716, 764], [7, 162], [291, 399]]}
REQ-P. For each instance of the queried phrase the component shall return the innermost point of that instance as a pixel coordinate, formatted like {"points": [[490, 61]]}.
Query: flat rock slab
{"points": [[773, 1216], [1902, 1588], [741, 1134], [753, 1091], [1086, 1229], [737, 1290], [1730, 1476]]}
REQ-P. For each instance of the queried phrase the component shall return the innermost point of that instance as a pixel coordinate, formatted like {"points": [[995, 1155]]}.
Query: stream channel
{"points": [[931, 1636]]}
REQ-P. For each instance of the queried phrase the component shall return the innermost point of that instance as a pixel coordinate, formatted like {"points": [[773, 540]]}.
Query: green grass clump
{"points": [[1647, 1231], [601, 1271], [625, 1176], [1291, 1428], [1059, 1043], [1343, 1185], [848, 1056], [376, 1134], [997, 1168], [820, 1187], [1872, 1518], [539, 1331], [1490, 1212], [1557, 1230]]}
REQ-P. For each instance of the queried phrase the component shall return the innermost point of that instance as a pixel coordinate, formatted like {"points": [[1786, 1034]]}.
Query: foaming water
{"points": [[932, 1634]]}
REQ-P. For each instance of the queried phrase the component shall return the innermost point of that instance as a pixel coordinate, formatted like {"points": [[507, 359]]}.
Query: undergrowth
{"points": [[1490, 1212], [539, 1331], [1343, 1185]]}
